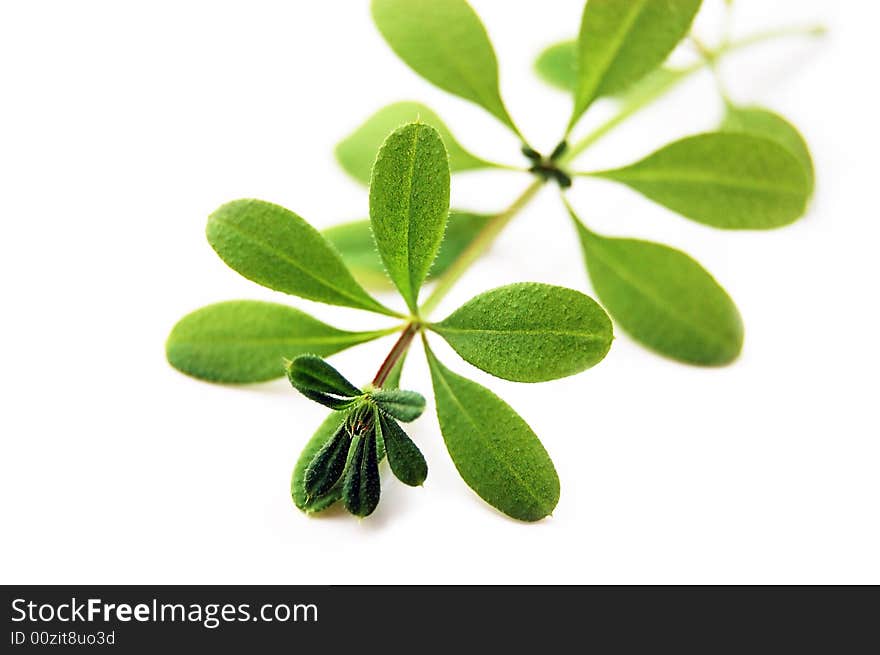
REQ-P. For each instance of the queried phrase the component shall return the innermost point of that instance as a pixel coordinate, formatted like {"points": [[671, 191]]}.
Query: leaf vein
{"points": [[587, 336], [696, 177]]}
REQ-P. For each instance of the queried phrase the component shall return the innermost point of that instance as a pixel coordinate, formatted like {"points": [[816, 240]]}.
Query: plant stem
{"points": [[398, 350], [770, 35], [494, 227], [476, 247]]}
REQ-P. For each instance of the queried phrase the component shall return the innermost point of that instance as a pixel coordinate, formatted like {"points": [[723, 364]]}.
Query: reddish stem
{"points": [[397, 351]]}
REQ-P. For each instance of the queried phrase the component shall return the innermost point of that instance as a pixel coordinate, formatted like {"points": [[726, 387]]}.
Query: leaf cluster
{"points": [[344, 464], [753, 172]]}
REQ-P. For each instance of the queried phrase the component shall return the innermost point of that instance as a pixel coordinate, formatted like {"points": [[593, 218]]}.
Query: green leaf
{"points": [[317, 380], [765, 123], [556, 65], [272, 246], [409, 203], [243, 341], [403, 405], [355, 243], [327, 465], [529, 332], [357, 152], [461, 230], [361, 488], [494, 450], [621, 41], [663, 299], [324, 433], [406, 460], [727, 180], [650, 86], [445, 42]]}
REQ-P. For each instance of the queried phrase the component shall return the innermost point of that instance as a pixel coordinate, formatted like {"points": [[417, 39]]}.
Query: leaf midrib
{"points": [[685, 176], [410, 274], [488, 103], [270, 341], [487, 443], [587, 336], [619, 40]]}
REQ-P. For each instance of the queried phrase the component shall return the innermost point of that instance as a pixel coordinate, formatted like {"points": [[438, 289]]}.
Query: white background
{"points": [[123, 125]]}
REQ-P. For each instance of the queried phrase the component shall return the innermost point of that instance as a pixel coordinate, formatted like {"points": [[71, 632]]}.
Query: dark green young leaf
{"points": [[360, 488], [765, 123], [322, 435], [297, 484], [317, 380], [406, 460], [403, 405], [357, 152], [355, 243], [663, 299], [727, 180], [409, 203], [495, 451], [529, 332], [245, 340], [621, 41], [557, 66], [445, 42], [272, 246], [327, 465]]}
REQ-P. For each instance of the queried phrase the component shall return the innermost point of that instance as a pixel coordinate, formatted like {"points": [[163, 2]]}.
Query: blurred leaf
{"points": [[357, 152], [765, 123], [723, 179], [246, 340], [409, 204], [529, 332], [556, 65], [272, 246], [495, 451], [355, 243], [649, 86], [445, 42], [663, 299], [621, 41]]}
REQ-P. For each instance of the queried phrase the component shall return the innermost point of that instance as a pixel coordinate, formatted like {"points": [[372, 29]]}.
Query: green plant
{"points": [[754, 172]]}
